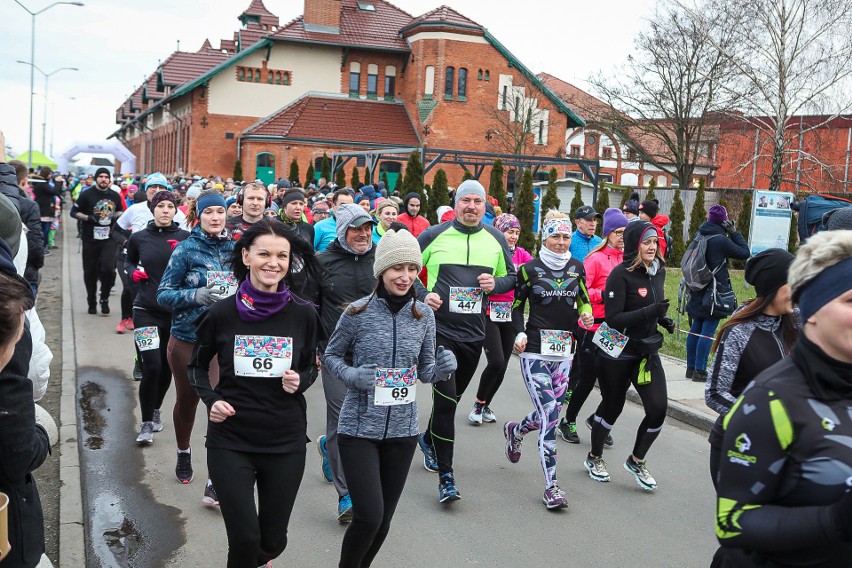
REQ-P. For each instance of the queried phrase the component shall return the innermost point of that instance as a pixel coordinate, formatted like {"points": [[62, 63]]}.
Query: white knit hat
{"points": [[397, 247]]}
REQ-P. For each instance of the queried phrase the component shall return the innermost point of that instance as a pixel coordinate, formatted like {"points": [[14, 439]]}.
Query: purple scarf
{"points": [[255, 305]]}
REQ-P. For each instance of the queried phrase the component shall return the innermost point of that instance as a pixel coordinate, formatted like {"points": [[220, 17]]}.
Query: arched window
{"points": [[354, 79], [270, 77], [241, 74], [479, 75], [286, 77], [449, 79], [505, 96], [462, 87], [487, 75], [390, 82], [429, 82], [257, 75], [372, 81], [278, 77]]}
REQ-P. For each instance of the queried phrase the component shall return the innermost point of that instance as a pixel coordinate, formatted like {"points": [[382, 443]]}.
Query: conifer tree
{"points": [[601, 206], [294, 172], [438, 195], [384, 178], [238, 171], [496, 188], [699, 213], [793, 244], [413, 180], [525, 212], [467, 175], [340, 177], [578, 197], [651, 186], [678, 216], [551, 196], [310, 175], [625, 197], [325, 167], [355, 181]]}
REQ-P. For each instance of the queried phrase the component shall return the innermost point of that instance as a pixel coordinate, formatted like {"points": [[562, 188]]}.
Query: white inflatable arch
{"points": [[114, 147]]}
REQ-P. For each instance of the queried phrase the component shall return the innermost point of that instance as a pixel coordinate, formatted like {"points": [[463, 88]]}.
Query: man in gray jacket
{"points": [[348, 275]]}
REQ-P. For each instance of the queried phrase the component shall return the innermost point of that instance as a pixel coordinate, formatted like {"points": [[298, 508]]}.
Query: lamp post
{"points": [[32, 63], [44, 121]]}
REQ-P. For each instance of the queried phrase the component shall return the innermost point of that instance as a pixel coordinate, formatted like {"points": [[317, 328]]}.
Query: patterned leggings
{"points": [[546, 382]]}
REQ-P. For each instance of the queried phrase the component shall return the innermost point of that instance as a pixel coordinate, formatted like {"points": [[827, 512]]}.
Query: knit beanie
{"points": [[396, 247], [193, 191], [10, 224], [650, 208], [156, 179], [163, 195], [631, 206], [839, 219], [100, 171], [767, 270], [442, 210], [717, 214], [470, 187], [506, 221], [409, 197], [290, 196], [613, 219], [230, 201]]}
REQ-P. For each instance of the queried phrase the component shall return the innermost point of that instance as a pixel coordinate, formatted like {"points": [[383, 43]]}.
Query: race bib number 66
{"points": [[262, 356]]}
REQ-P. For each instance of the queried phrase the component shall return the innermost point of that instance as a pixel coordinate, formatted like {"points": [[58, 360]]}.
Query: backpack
{"points": [[696, 274]]}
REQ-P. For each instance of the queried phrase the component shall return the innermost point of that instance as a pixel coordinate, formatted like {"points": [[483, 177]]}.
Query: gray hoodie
{"points": [[377, 337]]}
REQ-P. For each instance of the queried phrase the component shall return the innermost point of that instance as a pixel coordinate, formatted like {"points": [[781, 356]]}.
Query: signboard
{"points": [[770, 220]]}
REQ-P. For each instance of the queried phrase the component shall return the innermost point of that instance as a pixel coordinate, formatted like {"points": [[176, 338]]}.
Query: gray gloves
{"points": [[729, 227], [207, 295], [445, 363], [361, 378]]}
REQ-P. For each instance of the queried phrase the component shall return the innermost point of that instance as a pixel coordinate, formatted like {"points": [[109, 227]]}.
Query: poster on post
{"points": [[771, 216]]}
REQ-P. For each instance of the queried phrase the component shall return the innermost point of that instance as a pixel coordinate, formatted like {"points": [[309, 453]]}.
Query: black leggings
{"points": [[156, 373], [581, 381], [615, 378], [255, 535], [375, 472], [126, 290], [445, 397], [98, 264], [499, 339]]}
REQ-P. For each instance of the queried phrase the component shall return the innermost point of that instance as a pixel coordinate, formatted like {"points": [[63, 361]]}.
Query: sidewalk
{"points": [[686, 398]]}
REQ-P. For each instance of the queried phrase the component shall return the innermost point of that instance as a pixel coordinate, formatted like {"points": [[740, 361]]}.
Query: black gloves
{"points": [[728, 225], [659, 309], [668, 324], [841, 512]]}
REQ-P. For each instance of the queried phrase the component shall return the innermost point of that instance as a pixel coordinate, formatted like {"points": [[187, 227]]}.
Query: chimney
{"points": [[322, 16]]}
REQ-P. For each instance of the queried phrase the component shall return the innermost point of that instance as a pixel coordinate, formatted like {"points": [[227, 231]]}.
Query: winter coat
{"points": [[187, 271], [581, 245], [151, 250], [659, 221], [407, 342], [45, 196], [719, 249], [598, 265], [30, 217], [415, 224]]}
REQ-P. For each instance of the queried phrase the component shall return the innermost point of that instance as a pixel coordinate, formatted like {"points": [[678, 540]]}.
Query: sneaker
{"points": [[475, 415], [488, 415], [640, 472], [513, 442], [210, 498], [568, 431], [158, 422], [608, 442], [447, 491], [93, 309], [137, 369], [183, 469], [597, 468], [121, 328], [46, 252], [429, 461], [146, 434], [554, 498], [699, 376], [326, 469], [128, 324], [344, 509], [105, 307]]}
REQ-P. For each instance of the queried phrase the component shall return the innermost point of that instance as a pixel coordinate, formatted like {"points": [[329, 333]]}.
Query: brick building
{"points": [[346, 75]]}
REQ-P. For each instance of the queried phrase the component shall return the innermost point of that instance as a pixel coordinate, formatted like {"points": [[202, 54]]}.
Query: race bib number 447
{"points": [[466, 300], [395, 386], [225, 283], [262, 356]]}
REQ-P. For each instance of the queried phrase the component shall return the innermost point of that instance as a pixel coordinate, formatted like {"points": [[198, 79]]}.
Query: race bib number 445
{"points": [[262, 356], [395, 386], [466, 300], [611, 341], [225, 283]]}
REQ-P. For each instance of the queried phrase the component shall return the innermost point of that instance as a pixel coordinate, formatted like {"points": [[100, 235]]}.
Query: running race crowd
{"points": [[247, 293]]}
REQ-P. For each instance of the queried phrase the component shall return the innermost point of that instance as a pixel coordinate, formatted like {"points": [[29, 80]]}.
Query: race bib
{"points": [[225, 283], [147, 338], [262, 356], [395, 386], [611, 341], [501, 312], [466, 300], [556, 342], [101, 233]]}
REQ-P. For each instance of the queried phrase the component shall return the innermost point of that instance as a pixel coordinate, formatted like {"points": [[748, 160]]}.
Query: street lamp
{"points": [[44, 122], [32, 63]]}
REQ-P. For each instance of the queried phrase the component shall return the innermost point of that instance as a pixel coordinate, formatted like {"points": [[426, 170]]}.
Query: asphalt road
{"points": [[138, 515]]}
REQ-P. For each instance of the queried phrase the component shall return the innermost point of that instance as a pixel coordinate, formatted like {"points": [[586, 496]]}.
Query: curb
{"points": [[681, 412], [71, 527]]}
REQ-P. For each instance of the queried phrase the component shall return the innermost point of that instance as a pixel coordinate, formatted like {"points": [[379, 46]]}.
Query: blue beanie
{"points": [[210, 200], [156, 179]]}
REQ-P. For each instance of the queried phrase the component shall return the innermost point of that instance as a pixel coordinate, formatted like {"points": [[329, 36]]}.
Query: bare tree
{"points": [[663, 101], [792, 57]]}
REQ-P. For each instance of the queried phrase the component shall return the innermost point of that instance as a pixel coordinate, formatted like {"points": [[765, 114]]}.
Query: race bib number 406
{"points": [[466, 300], [611, 341], [224, 283], [262, 356], [556, 342], [395, 386]]}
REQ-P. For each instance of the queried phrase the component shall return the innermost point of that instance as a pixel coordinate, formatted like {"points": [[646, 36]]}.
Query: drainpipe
{"points": [[179, 137], [848, 153]]}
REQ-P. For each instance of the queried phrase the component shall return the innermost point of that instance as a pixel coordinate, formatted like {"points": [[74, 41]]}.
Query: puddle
{"points": [[92, 406], [121, 539]]}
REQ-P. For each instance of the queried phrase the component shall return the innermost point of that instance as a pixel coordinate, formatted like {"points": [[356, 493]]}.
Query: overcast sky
{"points": [[115, 44]]}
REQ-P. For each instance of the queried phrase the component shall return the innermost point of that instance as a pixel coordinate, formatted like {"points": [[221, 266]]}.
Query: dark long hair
{"points": [[299, 249], [753, 308]]}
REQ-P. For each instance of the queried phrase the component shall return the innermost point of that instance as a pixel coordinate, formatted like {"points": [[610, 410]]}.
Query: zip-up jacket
{"points": [[151, 250], [186, 272], [45, 196], [454, 255], [582, 244], [598, 266], [28, 210], [719, 250], [405, 342], [325, 232], [416, 224]]}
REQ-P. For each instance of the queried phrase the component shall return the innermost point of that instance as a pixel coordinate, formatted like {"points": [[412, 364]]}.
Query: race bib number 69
{"points": [[395, 386]]}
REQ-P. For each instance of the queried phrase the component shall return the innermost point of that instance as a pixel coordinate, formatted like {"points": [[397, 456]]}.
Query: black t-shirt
{"points": [[267, 419], [103, 205]]}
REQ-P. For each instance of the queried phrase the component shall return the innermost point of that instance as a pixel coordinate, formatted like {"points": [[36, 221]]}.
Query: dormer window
{"points": [[366, 6]]}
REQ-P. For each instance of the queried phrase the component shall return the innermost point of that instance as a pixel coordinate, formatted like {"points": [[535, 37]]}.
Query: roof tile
{"points": [[444, 14]]}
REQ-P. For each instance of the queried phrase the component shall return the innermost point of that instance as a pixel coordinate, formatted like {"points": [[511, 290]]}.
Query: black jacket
{"points": [[45, 196], [30, 217], [719, 250], [346, 278], [151, 250]]}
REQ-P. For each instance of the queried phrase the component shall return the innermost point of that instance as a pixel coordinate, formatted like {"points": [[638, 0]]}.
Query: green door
{"points": [[265, 168], [392, 170]]}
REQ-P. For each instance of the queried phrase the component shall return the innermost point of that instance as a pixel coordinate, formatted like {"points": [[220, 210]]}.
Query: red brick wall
{"points": [[323, 12], [380, 59]]}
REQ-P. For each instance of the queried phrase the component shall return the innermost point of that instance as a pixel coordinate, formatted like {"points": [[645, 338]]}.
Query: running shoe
{"points": [[554, 498], [568, 431], [128, 323], [475, 415], [137, 369], [210, 498], [93, 309], [513, 442], [429, 460], [640, 472], [146, 433], [447, 491], [105, 307], [608, 442], [183, 469], [158, 422], [323, 452], [488, 415], [344, 509], [121, 328], [597, 468]]}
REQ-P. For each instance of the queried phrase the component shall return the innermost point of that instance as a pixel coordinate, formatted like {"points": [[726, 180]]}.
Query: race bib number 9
{"points": [[101, 233], [556, 342], [147, 338], [395, 386], [466, 300], [501, 311], [611, 341], [224, 283], [262, 356]]}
